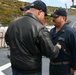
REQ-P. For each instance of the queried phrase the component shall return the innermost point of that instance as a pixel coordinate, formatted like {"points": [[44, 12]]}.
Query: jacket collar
{"points": [[32, 16]]}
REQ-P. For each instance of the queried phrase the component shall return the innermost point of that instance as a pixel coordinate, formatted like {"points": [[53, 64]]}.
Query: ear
{"points": [[39, 12]]}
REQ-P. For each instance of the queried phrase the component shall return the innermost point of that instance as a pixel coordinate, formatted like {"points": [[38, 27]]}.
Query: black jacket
{"points": [[29, 40]]}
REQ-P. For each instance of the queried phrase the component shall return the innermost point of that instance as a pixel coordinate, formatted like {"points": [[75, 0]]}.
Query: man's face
{"points": [[57, 21]]}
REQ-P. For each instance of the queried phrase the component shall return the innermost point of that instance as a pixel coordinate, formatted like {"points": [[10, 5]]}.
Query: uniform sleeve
{"points": [[72, 42], [46, 45]]}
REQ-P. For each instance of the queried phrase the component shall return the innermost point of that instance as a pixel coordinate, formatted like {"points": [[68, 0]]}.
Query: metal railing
{"points": [[2, 40]]}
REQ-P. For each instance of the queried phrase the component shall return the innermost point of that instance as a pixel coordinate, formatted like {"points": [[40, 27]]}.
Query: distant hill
{"points": [[10, 9]]}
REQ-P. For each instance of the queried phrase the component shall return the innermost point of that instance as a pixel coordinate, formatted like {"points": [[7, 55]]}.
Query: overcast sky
{"points": [[56, 3]]}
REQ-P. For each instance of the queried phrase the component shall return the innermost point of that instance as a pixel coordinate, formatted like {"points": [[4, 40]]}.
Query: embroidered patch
{"points": [[60, 38]]}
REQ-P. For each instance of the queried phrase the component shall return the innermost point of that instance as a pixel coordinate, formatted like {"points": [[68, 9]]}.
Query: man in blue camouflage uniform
{"points": [[65, 63]]}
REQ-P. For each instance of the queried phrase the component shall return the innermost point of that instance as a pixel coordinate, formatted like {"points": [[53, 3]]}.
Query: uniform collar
{"points": [[62, 30]]}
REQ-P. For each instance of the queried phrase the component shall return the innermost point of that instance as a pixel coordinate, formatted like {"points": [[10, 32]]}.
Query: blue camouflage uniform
{"points": [[67, 56]]}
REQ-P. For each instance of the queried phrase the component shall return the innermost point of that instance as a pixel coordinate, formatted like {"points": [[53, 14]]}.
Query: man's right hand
{"points": [[58, 45]]}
